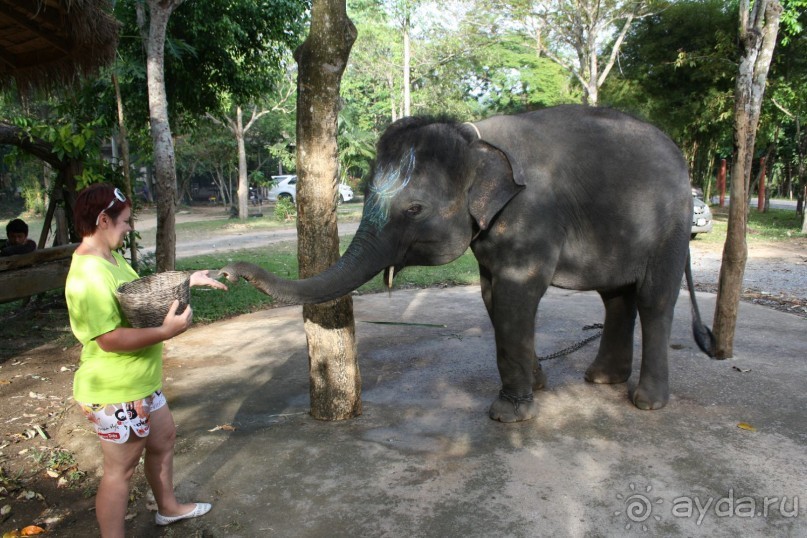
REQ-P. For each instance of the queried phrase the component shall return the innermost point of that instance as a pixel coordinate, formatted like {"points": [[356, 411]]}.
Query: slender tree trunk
{"points": [[591, 95], [801, 181], [239, 130], [392, 101], [407, 90], [164, 159], [127, 172], [243, 182], [758, 28], [333, 366]]}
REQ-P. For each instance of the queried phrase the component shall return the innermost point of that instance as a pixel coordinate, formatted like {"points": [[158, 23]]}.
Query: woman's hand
{"points": [[201, 278], [124, 339], [174, 323]]}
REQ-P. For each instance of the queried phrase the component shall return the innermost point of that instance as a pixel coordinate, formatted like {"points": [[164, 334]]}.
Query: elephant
{"points": [[576, 197]]}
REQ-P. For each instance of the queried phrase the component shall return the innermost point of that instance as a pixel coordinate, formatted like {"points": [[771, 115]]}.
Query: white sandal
{"points": [[199, 510]]}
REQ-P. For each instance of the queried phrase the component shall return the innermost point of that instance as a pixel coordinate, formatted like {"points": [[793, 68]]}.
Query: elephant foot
{"points": [[647, 397], [598, 372], [507, 408], [539, 377]]}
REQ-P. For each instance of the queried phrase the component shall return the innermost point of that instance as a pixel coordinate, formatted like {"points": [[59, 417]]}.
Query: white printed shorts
{"points": [[114, 421]]}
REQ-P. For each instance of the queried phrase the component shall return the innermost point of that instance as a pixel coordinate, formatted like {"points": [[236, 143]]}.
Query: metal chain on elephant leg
{"points": [[576, 346], [515, 400]]}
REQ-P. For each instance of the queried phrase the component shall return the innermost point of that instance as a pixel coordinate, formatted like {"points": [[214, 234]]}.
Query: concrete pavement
{"points": [[425, 460]]}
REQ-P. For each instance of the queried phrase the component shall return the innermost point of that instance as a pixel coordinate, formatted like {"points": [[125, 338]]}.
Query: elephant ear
{"points": [[493, 183]]}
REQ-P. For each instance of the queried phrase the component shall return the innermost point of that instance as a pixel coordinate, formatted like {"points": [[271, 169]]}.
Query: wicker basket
{"points": [[145, 301]]}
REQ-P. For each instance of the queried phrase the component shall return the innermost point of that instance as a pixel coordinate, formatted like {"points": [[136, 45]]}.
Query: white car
{"points": [[701, 216], [286, 187]]}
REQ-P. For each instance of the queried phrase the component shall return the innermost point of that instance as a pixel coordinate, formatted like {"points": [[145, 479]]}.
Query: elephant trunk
{"points": [[362, 260]]}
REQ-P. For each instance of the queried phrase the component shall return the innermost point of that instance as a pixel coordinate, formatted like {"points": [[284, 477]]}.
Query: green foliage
{"points": [[285, 209], [256, 177], [34, 195], [677, 70], [283, 152], [371, 83], [785, 107], [792, 20], [513, 78], [466, 63], [218, 52], [356, 146], [68, 140], [71, 134]]}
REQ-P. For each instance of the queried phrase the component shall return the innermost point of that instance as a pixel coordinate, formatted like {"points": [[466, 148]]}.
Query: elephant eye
{"points": [[414, 210]]}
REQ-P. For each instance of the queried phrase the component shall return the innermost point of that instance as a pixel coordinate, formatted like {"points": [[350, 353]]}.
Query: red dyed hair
{"points": [[91, 202]]}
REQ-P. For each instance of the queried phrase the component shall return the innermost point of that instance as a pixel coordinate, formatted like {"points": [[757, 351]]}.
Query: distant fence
{"points": [[29, 274]]}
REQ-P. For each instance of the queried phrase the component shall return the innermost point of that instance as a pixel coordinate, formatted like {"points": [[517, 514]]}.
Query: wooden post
{"points": [[721, 182], [761, 194]]}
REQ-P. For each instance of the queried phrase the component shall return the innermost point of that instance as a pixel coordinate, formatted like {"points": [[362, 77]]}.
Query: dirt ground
{"points": [[42, 484]]}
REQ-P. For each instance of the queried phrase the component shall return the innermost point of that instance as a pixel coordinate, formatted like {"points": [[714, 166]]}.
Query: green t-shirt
{"points": [[106, 377]]}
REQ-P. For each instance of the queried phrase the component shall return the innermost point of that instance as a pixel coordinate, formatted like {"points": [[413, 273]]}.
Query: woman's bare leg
{"points": [[112, 498], [159, 465]]}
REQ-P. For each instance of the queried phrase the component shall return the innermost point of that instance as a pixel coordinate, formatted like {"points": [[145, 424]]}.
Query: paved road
{"points": [[775, 204], [227, 242], [424, 460]]}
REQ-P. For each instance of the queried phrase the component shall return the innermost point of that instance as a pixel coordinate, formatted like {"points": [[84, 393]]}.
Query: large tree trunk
{"points": [[164, 160], [333, 366], [758, 29]]}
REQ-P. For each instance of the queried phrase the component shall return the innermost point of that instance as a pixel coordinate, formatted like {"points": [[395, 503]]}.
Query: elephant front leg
{"points": [[614, 359], [514, 324]]}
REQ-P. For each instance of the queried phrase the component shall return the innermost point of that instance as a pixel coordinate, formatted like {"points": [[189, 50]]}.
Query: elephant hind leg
{"points": [[656, 308], [538, 375], [614, 359], [653, 389]]}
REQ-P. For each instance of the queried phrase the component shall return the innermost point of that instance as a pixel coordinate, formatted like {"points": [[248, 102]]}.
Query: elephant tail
{"points": [[703, 335]]}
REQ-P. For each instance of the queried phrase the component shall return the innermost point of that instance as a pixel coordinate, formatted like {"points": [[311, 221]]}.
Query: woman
{"points": [[119, 380]]}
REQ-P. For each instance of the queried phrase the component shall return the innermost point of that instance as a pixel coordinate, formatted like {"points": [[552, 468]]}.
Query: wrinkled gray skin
{"points": [[576, 197]]}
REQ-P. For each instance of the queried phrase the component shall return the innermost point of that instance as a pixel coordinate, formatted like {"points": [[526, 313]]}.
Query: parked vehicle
{"points": [[286, 187], [255, 196], [701, 216]]}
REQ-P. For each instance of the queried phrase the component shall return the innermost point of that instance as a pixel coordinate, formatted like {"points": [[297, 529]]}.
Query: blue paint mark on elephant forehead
{"points": [[387, 183]]}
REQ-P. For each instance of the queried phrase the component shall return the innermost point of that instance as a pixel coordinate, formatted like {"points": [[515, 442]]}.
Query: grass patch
{"points": [[773, 225], [770, 227], [211, 305]]}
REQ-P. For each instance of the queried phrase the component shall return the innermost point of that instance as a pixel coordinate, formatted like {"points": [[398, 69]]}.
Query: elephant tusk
{"points": [[390, 276]]}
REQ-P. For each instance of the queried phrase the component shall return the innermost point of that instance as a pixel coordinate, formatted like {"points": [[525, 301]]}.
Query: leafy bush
{"points": [[34, 196], [285, 209]]}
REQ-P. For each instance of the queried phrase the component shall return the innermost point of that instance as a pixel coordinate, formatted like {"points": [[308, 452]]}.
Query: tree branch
{"points": [[615, 50]]}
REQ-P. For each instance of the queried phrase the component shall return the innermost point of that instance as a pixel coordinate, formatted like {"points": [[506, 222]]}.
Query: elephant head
{"points": [[435, 185]]}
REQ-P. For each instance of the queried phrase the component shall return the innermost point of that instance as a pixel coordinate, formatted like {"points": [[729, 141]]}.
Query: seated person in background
{"points": [[18, 242]]}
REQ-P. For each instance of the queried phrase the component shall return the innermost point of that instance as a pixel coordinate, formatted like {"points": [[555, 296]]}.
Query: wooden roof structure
{"points": [[48, 43]]}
